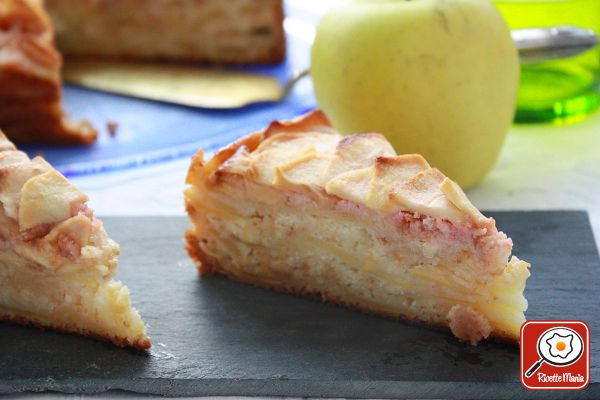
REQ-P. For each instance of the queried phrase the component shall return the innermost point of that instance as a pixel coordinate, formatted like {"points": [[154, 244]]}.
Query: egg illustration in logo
{"points": [[560, 346]]}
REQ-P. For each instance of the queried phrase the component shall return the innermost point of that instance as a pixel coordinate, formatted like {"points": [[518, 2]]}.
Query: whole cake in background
{"points": [[217, 31], [30, 83], [299, 208], [56, 261]]}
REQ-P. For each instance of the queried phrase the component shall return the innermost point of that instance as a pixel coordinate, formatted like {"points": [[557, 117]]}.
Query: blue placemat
{"points": [[150, 132]]}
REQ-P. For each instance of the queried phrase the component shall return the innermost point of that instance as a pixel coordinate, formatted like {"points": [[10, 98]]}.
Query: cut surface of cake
{"points": [[56, 261], [30, 95], [298, 208], [229, 32]]}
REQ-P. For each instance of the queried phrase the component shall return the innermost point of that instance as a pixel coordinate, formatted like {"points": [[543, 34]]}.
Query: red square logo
{"points": [[555, 355]]}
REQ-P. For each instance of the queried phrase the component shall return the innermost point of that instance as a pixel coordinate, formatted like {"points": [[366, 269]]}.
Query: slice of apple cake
{"points": [[301, 209], [56, 261]]}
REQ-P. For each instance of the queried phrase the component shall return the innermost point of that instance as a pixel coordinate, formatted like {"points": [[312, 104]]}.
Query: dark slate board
{"points": [[216, 337]]}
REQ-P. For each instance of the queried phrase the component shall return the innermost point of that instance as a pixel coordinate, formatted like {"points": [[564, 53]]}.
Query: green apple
{"points": [[437, 77]]}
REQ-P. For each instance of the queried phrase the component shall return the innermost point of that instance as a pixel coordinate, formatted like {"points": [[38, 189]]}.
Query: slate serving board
{"points": [[216, 337]]}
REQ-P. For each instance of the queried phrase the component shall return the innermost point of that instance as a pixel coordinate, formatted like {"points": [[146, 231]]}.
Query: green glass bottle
{"points": [[564, 90]]}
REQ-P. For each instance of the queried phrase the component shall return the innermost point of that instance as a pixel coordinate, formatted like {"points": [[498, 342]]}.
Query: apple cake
{"points": [[225, 32], [56, 261], [298, 208], [30, 98]]}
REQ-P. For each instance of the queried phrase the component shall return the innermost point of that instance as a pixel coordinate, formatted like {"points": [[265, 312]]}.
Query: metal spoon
{"points": [[543, 44]]}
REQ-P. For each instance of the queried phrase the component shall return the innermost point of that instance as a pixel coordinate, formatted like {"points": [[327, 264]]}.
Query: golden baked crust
{"points": [[301, 209], [360, 168], [56, 262], [225, 32], [30, 109], [139, 342]]}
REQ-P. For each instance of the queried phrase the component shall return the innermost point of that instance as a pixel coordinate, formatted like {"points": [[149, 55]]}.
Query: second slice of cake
{"points": [[301, 209], [214, 31]]}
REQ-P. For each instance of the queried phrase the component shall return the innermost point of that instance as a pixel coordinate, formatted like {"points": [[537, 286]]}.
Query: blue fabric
{"points": [[150, 132]]}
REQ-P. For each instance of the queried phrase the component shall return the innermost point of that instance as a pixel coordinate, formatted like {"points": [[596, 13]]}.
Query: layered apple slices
{"points": [[30, 83], [56, 261], [299, 208]]}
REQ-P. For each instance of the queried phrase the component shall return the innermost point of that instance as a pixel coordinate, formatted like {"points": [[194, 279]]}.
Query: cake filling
{"points": [[403, 265]]}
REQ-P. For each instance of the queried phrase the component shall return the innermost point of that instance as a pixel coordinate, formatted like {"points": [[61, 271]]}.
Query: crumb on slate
{"points": [[112, 128]]}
